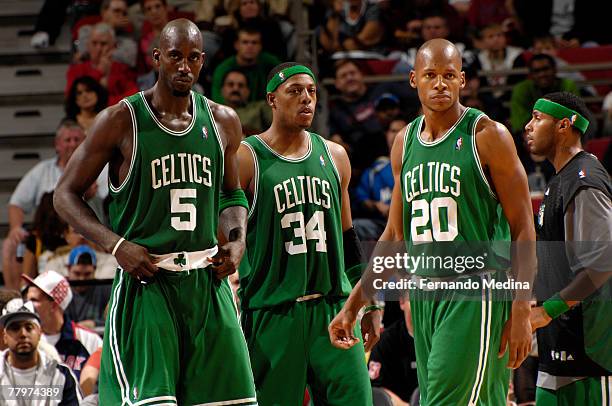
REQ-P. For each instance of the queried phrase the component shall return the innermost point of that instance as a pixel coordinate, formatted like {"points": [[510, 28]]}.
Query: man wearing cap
{"points": [[573, 321], [51, 294], [295, 279], [27, 375], [88, 301]]}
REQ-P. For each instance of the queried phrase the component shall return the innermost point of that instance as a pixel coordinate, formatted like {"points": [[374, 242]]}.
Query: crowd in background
{"points": [[243, 41]]}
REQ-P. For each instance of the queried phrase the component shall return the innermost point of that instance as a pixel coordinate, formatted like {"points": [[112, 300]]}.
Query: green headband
{"points": [[285, 74], [559, 112]]}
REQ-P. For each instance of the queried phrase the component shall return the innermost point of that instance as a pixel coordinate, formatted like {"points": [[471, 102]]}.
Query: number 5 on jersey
{"points": [[178, 206]]}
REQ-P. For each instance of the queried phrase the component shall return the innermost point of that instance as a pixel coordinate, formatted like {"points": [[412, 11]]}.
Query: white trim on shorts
{"points": [[485, 339], [606, 394]]}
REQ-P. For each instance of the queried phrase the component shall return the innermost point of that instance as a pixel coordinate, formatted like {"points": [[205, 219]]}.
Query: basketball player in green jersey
{"points": [[172, 333], [461, 344], [300, 242]]}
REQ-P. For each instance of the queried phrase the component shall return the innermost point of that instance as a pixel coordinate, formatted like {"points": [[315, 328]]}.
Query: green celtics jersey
{"points": [[169, 199], [294, 237], [447, 199]]}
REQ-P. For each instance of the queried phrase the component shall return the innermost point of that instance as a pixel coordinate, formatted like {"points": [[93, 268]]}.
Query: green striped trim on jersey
{"points": [[446, 134], [405, 143], [255, 176], [166, 129], [477, 157], [134, 150], [217, 134], [331, 158], [284, 158], [165, 401], [485, 341]]}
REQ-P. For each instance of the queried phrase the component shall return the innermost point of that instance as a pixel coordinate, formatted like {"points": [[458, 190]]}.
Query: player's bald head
{"points": [[438, 52], [177, 31]]}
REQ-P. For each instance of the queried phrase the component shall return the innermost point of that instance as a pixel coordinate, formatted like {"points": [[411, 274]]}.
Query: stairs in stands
{"points": [[31, 96]]}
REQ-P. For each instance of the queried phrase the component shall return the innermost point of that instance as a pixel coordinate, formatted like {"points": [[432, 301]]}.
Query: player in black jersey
{"points": [[574, 227]]}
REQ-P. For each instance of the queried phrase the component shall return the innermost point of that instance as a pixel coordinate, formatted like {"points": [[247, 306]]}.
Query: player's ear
{"points": [[564, 124], [412, 79], [271, 100], [156, 56], [462, 80]]}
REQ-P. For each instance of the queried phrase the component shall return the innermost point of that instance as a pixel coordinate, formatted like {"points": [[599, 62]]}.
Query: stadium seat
{"points": [[16, 162], [32, 80], [33, 120], [598, 146]]}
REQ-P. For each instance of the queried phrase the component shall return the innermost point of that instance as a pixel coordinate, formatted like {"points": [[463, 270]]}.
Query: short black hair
{"points": [[571, 101], [249, 28], [282, 66], [235, 70], [543, 57], [84, 259]]}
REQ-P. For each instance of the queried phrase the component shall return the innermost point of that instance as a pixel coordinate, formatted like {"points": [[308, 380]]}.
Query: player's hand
{"points": [[539, 318], [227, 259], [135, 260], [516, 336], [341, 330], [370, 328]]}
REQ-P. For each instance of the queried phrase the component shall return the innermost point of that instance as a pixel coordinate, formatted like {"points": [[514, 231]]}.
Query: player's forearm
{"points": [[73, 209], [232, 223], [587, 282], [524, 260], [356, 300]]}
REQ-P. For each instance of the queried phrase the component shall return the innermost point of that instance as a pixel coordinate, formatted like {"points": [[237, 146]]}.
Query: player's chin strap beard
{"points": [[178, 93]]}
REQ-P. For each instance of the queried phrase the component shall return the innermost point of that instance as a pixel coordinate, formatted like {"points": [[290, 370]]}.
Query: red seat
{"points": [[598, 146]]}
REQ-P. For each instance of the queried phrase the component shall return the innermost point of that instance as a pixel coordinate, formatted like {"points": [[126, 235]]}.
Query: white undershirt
{"points": [[51, 338]]}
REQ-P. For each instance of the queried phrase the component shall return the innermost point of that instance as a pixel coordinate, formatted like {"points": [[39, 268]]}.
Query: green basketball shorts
{"points": [[457, 334], [174, 341], [290, 349], [594, 391]]}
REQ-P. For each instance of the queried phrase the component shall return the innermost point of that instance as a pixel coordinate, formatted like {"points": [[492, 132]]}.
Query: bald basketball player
{"points": [[457, 179], [172, 335]]}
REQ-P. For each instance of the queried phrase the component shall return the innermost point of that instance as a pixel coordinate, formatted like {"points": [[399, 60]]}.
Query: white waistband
{"points": [[185, 261]]}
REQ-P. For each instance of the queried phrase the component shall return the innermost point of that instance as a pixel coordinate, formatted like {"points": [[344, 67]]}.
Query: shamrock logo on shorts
{"points": [[180, 260]]}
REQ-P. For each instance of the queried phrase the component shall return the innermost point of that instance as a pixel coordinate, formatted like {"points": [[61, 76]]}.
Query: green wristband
{"points": [[372, 308], [555, 306], [233, 198]]}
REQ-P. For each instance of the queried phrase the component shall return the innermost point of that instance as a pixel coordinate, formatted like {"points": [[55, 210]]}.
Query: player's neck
{"points": [[563, 154], [164, 101], [283, 139], [437, 123]]}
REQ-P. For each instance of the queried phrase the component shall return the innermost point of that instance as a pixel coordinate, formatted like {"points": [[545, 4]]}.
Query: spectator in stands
{"points": [[156, 17], [88, 302], [372, 196], [392, 364], [115, 14], [51, 19], [436, 26], [25, 365], [46, 236], [251, 60], [573, 23], [106, 264], [543, 79], [251, 12], [116, 77], [387, 108], [254, 116], [495, 55], [6, 295], [352, 116], [86, 99], [352, 25], [471, 96], [40, 179], [50, 292], [90, 374]]}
